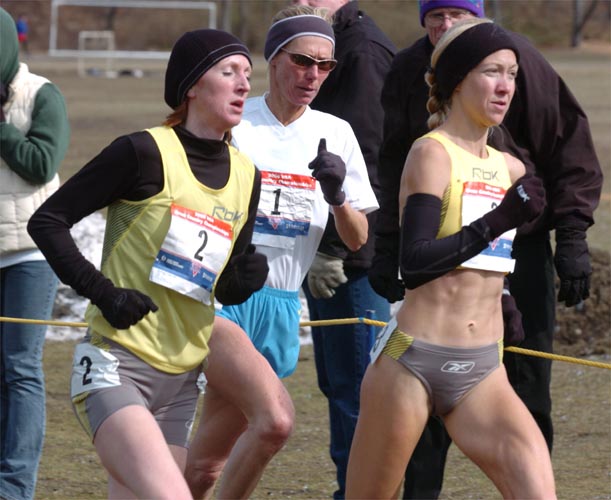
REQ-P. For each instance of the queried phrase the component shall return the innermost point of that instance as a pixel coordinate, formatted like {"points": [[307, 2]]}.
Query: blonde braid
{"points": [[437, 108]]}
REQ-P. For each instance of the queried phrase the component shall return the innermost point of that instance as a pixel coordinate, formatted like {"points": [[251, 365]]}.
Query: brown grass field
{"points": [[101, 109]]}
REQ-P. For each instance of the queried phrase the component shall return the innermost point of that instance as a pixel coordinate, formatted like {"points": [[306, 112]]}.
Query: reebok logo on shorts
{"points": [[457, 366]]}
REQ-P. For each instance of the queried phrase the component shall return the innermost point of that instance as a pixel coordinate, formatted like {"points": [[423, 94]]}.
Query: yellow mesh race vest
{"points": [[477, 185], [175, 338]]}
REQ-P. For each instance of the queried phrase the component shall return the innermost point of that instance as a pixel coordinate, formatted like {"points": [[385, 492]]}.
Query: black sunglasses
{"points": [[305, 61]]}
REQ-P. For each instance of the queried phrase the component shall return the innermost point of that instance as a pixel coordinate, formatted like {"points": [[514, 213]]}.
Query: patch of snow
{"points": [[70, 307]]}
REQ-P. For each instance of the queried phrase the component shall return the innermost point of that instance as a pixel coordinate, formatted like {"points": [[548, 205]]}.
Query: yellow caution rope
{"points": [[345, 321]]}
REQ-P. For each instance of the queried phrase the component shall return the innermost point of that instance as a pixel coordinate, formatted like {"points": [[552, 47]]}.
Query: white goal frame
{"points": [[105, 37], [137, 4]]}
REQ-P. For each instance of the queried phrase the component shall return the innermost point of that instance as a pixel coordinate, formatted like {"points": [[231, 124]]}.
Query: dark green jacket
{"points": [[36, 155]]}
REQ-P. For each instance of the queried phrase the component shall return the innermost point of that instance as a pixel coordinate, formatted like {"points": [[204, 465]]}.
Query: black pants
{"points": [[532, 285]]}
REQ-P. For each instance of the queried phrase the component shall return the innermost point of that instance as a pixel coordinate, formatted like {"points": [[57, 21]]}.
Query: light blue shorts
{"points": [[270, 317]]}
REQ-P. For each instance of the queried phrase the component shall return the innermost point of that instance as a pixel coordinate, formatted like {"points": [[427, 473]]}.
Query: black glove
{"points": [[124, 307], [523, 201], [384, 279], [330, 170], [250, 270], [572, 260], [513, 331]]}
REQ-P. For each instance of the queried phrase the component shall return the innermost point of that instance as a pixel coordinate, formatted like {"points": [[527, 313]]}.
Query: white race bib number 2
{"points": [[93, 368], [193, 253]]}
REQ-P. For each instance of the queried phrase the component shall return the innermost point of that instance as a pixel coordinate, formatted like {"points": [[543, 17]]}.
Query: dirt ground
{"points": [[70, 469]]}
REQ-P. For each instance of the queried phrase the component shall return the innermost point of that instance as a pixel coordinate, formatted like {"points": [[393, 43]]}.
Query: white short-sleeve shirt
{"points": [[292, 212]]}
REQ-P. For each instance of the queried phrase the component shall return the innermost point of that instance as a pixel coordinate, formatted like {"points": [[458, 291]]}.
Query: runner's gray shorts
{"points": [[108, 377], [447, 373]]}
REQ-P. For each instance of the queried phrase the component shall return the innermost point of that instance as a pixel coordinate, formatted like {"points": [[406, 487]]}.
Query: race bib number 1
{"points": [[285, 209], [193, 254]]}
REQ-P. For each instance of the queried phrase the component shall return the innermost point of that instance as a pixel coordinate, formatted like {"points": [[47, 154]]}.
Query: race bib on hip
{"points": [[285, 209], [381, 339], [92, 368], [201, 383], [193, 254], [479, 198]]}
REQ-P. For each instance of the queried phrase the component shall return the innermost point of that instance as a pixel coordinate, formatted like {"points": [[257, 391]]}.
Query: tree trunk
{"points": [[497, 15], [580, 20], [244, 13], [226, 15], [110, 19]]}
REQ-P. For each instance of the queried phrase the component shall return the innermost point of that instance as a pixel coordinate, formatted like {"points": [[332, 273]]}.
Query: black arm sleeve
{"points": [[111, 175], [228, 291], [424, 258]]}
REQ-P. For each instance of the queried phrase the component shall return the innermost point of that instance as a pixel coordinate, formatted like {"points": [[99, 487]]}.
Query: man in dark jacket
{"points": [[337, 284], [547, 129]]}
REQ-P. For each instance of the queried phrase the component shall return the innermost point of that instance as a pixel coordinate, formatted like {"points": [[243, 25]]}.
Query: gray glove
{"points": [[325, 274]]}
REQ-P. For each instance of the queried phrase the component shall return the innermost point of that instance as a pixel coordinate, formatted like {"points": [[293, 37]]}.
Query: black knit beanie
{"points": [[193, 54], [466, 51]]}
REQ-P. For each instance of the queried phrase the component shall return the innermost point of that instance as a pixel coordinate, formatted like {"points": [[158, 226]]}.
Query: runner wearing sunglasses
{"points": [[305, 61], [311, 165]]}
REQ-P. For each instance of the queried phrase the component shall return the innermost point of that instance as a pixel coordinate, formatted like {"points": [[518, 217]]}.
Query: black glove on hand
{"points": [[384, 279], [513, 331], [330, 170], [250, 269], [124, 307], [572, 260], [523, 201]]}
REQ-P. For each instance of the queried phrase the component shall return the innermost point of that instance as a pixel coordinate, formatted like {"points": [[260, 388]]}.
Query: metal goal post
{"points": [[136, 4], [90, 40]]}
